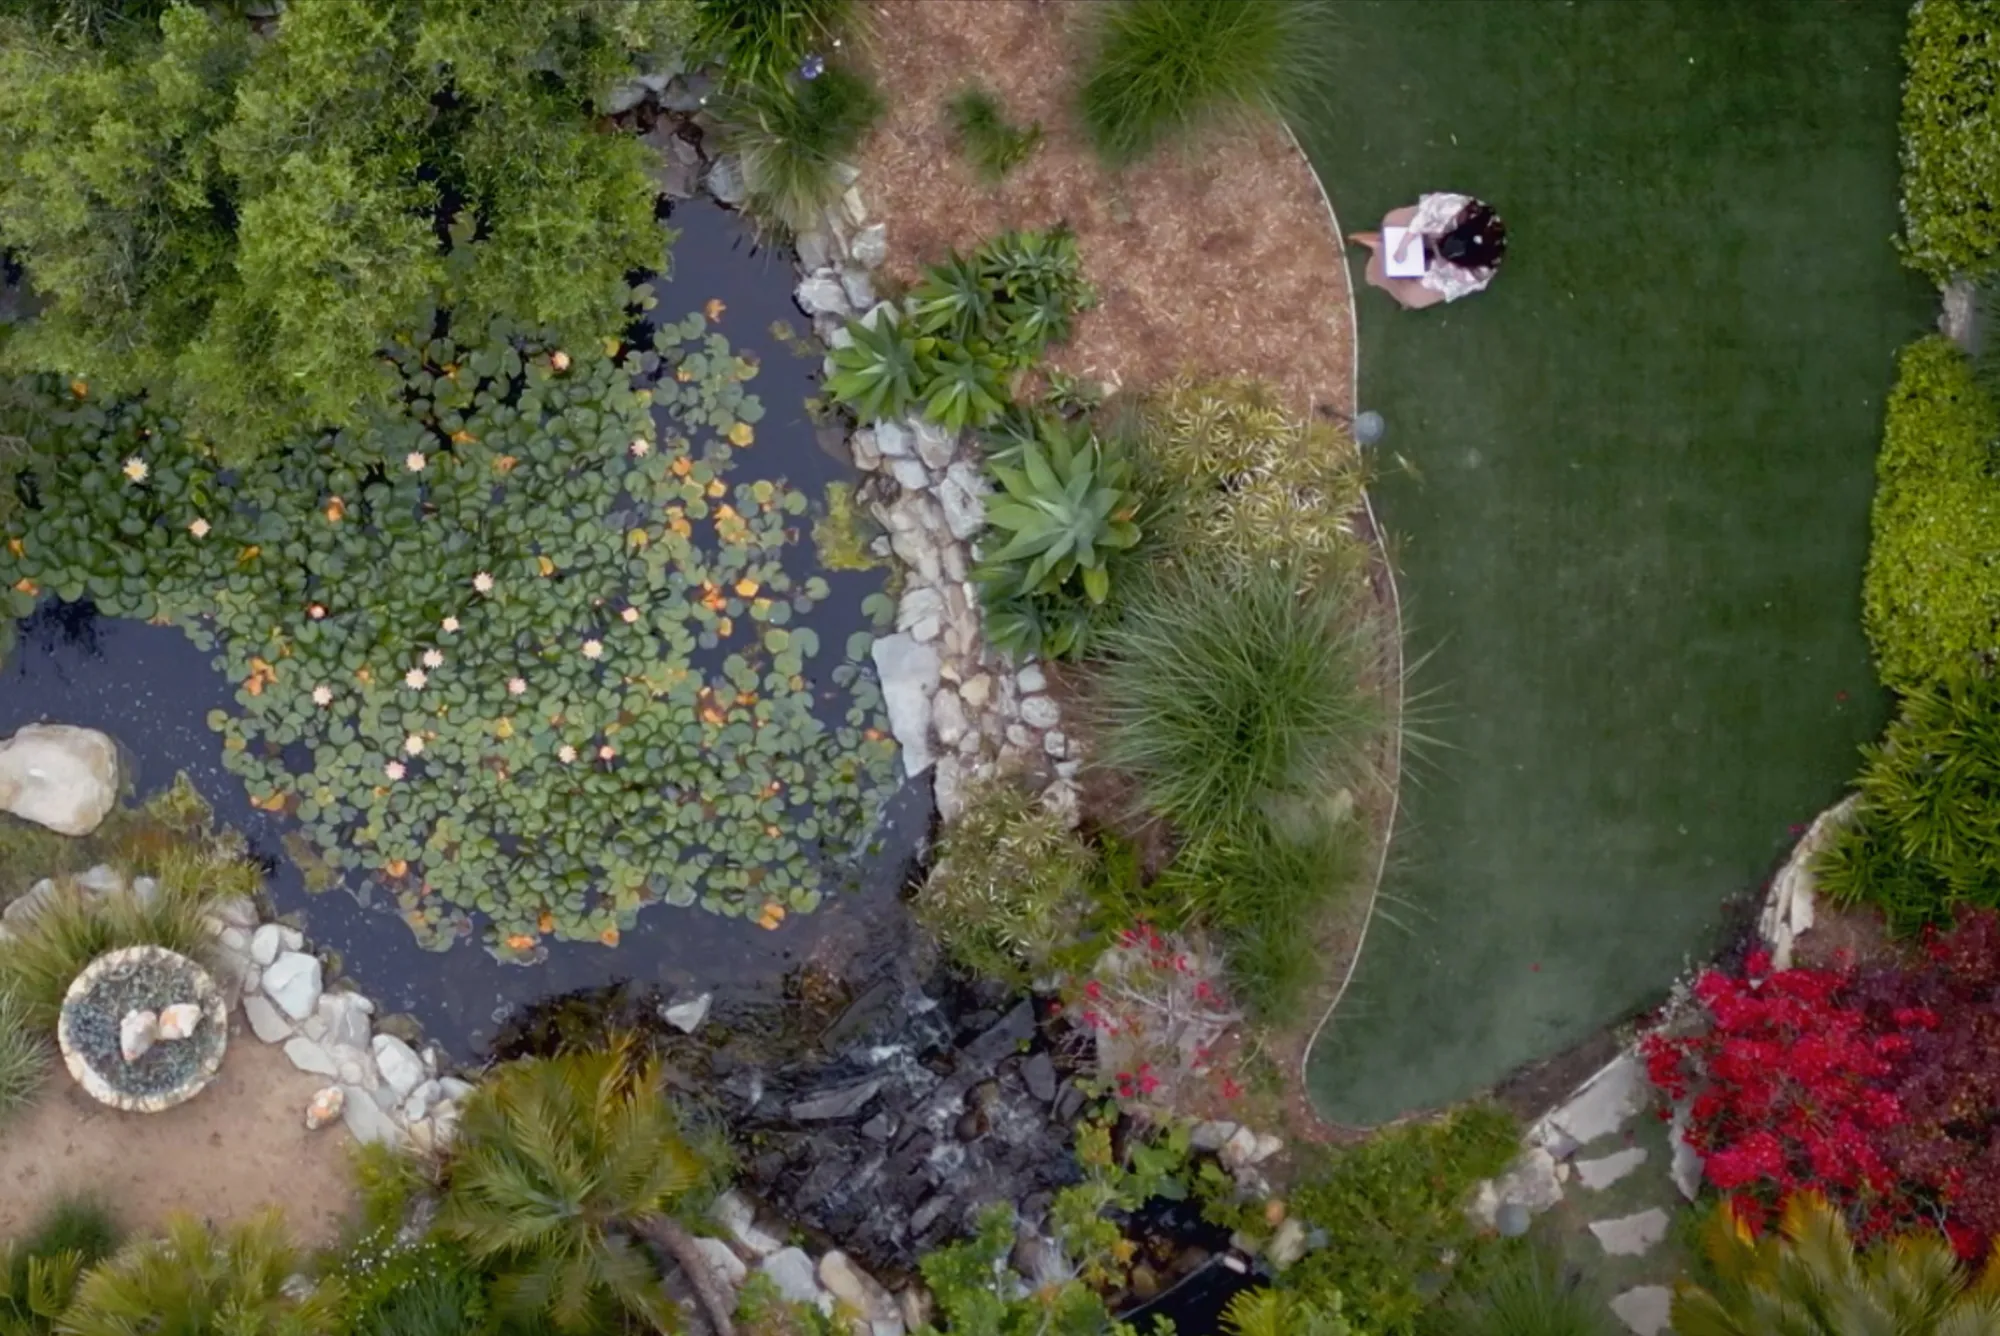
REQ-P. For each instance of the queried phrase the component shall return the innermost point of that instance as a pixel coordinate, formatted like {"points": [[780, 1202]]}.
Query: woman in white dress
{"points": [[1463, 244]]}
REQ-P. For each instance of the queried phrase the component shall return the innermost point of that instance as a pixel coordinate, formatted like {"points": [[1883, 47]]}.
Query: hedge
{"points": [[1951, 138], [1932, 596]]}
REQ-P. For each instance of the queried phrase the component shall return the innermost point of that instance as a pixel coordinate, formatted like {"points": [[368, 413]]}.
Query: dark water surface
{"points": [[149, 688]]}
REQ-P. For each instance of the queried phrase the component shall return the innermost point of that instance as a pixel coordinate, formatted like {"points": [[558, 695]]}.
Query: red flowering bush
{"points": [[1877, 1088], [1155, 1009]]}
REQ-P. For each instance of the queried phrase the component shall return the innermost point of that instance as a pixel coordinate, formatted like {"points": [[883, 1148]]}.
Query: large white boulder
{"points": [[293, 982], [59, 776]]}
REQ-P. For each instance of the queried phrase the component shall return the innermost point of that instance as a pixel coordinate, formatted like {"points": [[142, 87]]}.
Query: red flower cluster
{"points": [[1154, 1009], [1880, 1089]]}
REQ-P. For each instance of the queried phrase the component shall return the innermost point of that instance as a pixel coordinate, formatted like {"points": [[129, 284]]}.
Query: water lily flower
{"points": [[322, 696], [394, 770], [414, 744], [136, 469], [433, 658], [199, 528], [606, 752], [630, 615], [483, 582], [415, 679], [641, 447], [316, 611], [517, 686], [559, 360], [565, 753], [593, 649], [414, 461], [450, 624]]}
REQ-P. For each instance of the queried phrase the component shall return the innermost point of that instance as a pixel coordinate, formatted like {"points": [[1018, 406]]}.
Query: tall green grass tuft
{"points": [[1156, 69], [993, 145], [74, 929], [25, 1058], [792, 139], [1529, 1293], [762, 43], [1234, 697]]}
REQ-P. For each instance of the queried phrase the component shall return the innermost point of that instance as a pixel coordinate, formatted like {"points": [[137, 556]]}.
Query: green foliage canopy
{"points": [[244, 222], [1951, 137]]}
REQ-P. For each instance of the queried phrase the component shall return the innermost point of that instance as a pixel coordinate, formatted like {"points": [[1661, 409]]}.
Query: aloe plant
{"points": [[879, 373], [965, 386], [1064, 511]]}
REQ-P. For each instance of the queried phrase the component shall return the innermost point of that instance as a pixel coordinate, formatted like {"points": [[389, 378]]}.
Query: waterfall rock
{"points": [[293, 982], [59, 776], [909, 672]]}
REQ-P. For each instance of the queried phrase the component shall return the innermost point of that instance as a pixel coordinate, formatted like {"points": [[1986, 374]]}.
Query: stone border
{"points": [[214, 1013], [1789, 907], [1378, 551]]}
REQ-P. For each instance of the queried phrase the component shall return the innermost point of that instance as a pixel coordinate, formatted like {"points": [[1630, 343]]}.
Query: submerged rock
{"points": [[59, 776]]}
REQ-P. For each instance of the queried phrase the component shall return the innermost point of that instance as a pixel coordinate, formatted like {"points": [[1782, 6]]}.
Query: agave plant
{"points": [[562, 1163], [1038, 279], [878, 374], [955, 299], [965, 387], [1063, 511], [1808, 1281]]}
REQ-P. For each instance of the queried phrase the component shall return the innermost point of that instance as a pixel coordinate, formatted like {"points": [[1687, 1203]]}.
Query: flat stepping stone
{"points": [[1631, 1235], [1603, 1106], [1646, 1309], [1602, 1172]]}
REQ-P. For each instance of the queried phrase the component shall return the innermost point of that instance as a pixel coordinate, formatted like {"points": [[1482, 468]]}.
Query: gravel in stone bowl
{"points": [[137, 978]]}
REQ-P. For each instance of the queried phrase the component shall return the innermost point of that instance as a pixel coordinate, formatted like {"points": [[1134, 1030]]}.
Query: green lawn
{"points": [[1628, 488]]}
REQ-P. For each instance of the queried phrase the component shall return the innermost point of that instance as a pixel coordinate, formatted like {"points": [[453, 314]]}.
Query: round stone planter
{"points": [[172, 1071]]}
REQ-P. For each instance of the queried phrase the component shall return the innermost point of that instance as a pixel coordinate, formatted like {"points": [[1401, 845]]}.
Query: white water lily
{"points": [[450, 624], [517, 686], [593, 649], [136, 469], [414, 461], [414, 744], [433, 658], [565, 753], [483, 582], [199, 528], [394, 770], [322, 695], [415, 679]]}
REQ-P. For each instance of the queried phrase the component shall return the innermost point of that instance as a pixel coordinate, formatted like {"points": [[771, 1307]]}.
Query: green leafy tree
{"points": [[1808, 1281], [195, 1281], [562, 1164]]}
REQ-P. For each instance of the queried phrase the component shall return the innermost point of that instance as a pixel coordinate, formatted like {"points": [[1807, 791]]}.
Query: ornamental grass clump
{"points": [[991, 143], [1158, 69], [764, 42], [192, 1278], [792, 139], [26, 1056]]}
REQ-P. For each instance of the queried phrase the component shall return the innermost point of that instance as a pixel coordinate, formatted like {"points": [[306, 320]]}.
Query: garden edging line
{"points": [[1396, 638]]}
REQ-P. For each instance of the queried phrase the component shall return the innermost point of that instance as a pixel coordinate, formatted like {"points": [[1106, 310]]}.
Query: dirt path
{"points": [[238, 1147]]}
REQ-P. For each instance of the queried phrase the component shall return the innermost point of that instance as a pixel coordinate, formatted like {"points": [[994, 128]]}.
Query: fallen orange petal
{"points": [[396, 867], [609, 937], [547, 922], [746, 587], [714, 309]]}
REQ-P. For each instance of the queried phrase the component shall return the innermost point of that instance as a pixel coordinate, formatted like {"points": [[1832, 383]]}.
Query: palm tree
{"points": [[1810, 1282], [1281, 1313], [39, 1273], [560, 1163], [192, 1281]]}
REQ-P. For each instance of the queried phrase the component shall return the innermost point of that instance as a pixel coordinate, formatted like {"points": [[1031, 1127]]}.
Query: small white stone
{"points": [[687, 1016], [722, 1260], [179, 1020], [1238, 1150], [975, 691], [738, 1218], [307, 1056], [892, 439], [234, 939], [420, 1101], [935, 445], [1056, 743], [871, 245], [401, 1068], [947, 717], [453, 1088], [795, 1277], [136, 1032], [266, 943], [1267, 1146], [1040, 712], [910, 474], [266, 1021], [1601, 1173], [1031, 679], [293, 939], [1211, 1136]]}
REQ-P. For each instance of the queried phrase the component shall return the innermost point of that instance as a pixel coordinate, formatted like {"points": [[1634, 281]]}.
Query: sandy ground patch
{"points": [[238, 1147]]}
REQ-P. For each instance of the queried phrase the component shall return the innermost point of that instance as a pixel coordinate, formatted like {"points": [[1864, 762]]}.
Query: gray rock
{"points": [[856, 211], [860, 290], [961, 493], [975, 691], [870, 246], [909, 474], [267, 1022], [792, 1272], [1268, 1146], [1530, 1182], [687, 1016], [738, 1218], [919, 604], [725, 181], [59, 776], [365, 1119], [1040, 1075], [344, 1017], [293, 982], [1237, 1151], [948, 787], [1647, 1310], [101, 880], [948, 717], [1512, 1219], [238, 911], [909, 673], [815, 250], [867, 455], [1039, 712], [840, 1102], [850, 1285], [1056, 743], [822, 295], [1288, 1244], [146, 891], [291, 938], [1687, 1167], [402, 1069], [22, 911], [1211, 1136], [722, 1260], [308, 1056], [935, 444], [265, 944], [1631, 1235], [688, 92], [1031, 679], [1601, 1173], [625, 96], [420, 1101], [879, 1128], [1603, 1106], [453, 1088], [894, 439]]}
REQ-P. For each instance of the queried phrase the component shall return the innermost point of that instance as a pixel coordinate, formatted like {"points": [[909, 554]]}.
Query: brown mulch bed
{"points": [[1215, 257]]}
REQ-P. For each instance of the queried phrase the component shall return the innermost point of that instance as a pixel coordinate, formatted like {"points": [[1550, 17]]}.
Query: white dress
{"points": [[1436, 212]]}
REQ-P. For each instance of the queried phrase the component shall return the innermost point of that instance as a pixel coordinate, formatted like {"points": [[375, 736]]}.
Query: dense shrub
{"points": [[1951, 137], [1393, 1208], [1006, 889], [765, 42], [1924, 840], [792, 139], [1932, 596], [245, 223], [1158, 68], [1875, 1087], [1531, 1291]]}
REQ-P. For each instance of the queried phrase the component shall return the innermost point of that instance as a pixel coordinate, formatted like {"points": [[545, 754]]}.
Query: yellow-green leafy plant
{"points": [[192, 1278], [1808, 1280], [1951, 137]]}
